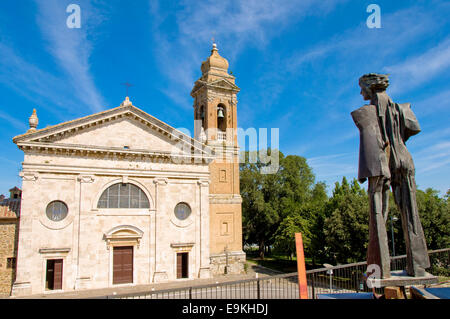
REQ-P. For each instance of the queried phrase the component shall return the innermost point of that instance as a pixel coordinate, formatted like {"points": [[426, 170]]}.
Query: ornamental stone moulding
{"points": [[203, 182], [123, 235], [182, 247], [29, 176], [161, 181], [85, 179]]}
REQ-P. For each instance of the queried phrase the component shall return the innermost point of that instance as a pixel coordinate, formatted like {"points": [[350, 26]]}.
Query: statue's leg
{"points": [[417, 259], [378, 249], [386, 190]]}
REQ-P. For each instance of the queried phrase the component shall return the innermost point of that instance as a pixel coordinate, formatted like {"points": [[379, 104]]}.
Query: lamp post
{"points": [[392, 232], [330, 272], [226, 259]]}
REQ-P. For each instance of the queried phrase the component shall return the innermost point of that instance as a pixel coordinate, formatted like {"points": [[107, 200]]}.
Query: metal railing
{"points": [[343, 278], [349, 277], [221, 136]]}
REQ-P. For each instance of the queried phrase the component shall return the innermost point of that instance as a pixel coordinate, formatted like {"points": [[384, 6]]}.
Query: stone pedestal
{"points": [[401, 279], [21, 289], [233, 262]]}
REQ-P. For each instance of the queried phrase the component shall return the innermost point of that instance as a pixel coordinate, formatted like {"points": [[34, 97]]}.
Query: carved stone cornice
{"points": [[225, 199], [203, 183], [85, 179], [182, 247], [29, 176], [43, 139], [220, 84], [122, 235], [54, 250], [161, 181], [102, 151]]}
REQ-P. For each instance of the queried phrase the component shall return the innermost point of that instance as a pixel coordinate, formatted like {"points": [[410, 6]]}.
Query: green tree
{"points": [[435, 217], [260, 206], [318, 247], [268, 199], [434, 213], [346, 223], [297, 203], [284, 238]]}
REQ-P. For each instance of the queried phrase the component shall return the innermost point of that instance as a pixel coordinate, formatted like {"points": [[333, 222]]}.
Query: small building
{"points": [[9, 232]]}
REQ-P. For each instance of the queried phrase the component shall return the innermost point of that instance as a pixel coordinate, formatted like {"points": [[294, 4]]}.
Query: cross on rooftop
{"points": [[128, 85]]}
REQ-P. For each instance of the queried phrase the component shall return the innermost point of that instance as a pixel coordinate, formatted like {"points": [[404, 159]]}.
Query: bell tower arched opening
{"points": [[221, 121]]}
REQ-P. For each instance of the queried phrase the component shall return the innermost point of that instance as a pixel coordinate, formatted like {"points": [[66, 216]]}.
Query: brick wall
{"points": [[8, 249]]}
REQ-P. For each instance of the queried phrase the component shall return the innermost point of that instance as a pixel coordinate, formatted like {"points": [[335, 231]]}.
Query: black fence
{"points": [[336, 279]]}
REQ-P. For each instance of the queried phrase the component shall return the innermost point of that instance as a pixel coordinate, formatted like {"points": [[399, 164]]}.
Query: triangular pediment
{"points": [[218, 84], [224, 83], [125, 129]]}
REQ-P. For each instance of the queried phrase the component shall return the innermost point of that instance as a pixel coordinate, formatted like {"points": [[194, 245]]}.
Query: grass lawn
{"points": [[280, 263], [442, 278]]}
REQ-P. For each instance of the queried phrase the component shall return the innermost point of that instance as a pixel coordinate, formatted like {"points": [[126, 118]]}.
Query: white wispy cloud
{"points": [[63, 94], [350, 53], [247, 22], [421, 68], [20, 125], [433, 157], [37, 85], [427, 138], [71, 48], [334, 165], [400, 28], [439, 102], [235, 25]]}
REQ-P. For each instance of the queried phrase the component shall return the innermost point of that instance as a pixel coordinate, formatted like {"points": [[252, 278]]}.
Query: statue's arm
{"points": [[410, 123]]}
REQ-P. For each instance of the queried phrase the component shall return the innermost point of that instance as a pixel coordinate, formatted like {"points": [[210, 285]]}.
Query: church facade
{"points": [[122, 198]]}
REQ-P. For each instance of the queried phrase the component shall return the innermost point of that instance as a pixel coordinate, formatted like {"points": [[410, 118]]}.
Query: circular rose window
{"points": [[57, 211], [182, 211]]}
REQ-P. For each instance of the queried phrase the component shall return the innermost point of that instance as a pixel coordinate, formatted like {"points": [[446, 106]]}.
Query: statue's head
{"points": [[372, 83]]}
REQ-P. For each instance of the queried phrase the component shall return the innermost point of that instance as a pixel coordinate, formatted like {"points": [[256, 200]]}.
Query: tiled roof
{"points": [[9, 208]]}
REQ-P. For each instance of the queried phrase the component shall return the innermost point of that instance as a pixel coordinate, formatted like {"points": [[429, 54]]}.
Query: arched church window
{"points": [[182, 211], [123, 196], [56, 211]]}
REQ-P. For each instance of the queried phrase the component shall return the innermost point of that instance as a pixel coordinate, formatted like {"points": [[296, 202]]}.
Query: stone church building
{"points": [[122, 198]]}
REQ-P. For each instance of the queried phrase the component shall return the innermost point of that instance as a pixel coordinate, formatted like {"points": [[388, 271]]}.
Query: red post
{"points": [[301, 268]]}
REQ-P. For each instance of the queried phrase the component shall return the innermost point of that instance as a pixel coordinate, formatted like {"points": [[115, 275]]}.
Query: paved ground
{"points": [[284, 288], [252, 272]]}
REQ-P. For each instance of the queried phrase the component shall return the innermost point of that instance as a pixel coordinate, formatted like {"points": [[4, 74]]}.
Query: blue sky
{"points": [[297, 63]]}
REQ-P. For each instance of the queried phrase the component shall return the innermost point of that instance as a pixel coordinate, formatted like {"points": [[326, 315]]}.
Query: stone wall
{"points": [[8, 249], [235, 261]]}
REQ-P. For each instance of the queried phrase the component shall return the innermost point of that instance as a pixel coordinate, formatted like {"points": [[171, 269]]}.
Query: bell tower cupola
{"points": [[215, 102]]}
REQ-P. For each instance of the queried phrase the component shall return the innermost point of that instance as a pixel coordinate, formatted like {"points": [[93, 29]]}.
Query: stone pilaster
{"points": [[203, 234], [160, 274], [22, 284], [82, 273]]}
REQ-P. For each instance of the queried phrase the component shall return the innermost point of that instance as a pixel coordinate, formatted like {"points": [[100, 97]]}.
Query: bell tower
{"points": [[215, 124]]}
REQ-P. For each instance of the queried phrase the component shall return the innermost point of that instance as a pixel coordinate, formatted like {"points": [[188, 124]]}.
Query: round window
{"points": [[182, 211], [57, 211]]}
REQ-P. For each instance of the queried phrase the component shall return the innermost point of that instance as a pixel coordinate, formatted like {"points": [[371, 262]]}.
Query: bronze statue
{"points": [[384, 127]]}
